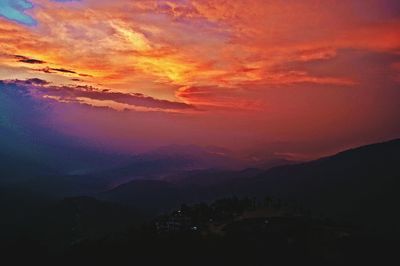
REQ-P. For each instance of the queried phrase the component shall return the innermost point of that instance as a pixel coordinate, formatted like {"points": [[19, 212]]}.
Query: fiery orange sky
{"points": [[294, 78]]}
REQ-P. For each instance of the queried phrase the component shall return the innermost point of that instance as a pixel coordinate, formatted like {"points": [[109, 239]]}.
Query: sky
{"points": [[297, 79]]}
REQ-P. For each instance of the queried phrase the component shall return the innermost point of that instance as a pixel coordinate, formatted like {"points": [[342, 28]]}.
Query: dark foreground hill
{"points": [[152, 195], [53, 225], [229, 231]]}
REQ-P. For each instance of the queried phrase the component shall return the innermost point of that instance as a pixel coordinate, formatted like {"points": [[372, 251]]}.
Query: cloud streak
{"points": [[28, 60]]}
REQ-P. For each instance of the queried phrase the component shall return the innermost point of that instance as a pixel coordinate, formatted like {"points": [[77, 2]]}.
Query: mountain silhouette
{"points": [[358, 184]]}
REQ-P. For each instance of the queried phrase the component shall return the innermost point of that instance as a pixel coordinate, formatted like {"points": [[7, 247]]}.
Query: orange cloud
{"points": [[203, 43], [261, 58]]}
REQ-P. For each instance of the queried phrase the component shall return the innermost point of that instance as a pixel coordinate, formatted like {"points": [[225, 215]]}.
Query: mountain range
{"points": [[357, 185]]}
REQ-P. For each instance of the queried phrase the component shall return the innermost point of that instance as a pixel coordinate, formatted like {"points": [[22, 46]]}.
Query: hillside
{"points": [[359, 184]]}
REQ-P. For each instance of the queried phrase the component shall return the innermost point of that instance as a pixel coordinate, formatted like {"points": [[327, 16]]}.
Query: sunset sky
{"points": [[297, 79]]}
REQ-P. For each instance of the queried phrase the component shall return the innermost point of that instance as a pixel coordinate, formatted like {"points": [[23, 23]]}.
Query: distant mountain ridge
{"points": [[358, 185]]}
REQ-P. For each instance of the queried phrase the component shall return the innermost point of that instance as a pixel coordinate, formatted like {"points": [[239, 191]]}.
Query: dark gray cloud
{"points": [[85, 75], [51, 70], [63, 70], [28, 60]]}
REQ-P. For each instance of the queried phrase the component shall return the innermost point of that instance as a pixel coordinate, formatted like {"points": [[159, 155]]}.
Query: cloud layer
{"points": [[90, 96], [255, 71]]}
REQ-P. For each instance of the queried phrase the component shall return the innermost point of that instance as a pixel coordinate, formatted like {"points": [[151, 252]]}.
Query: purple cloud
{"points": [[72, 93]]}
